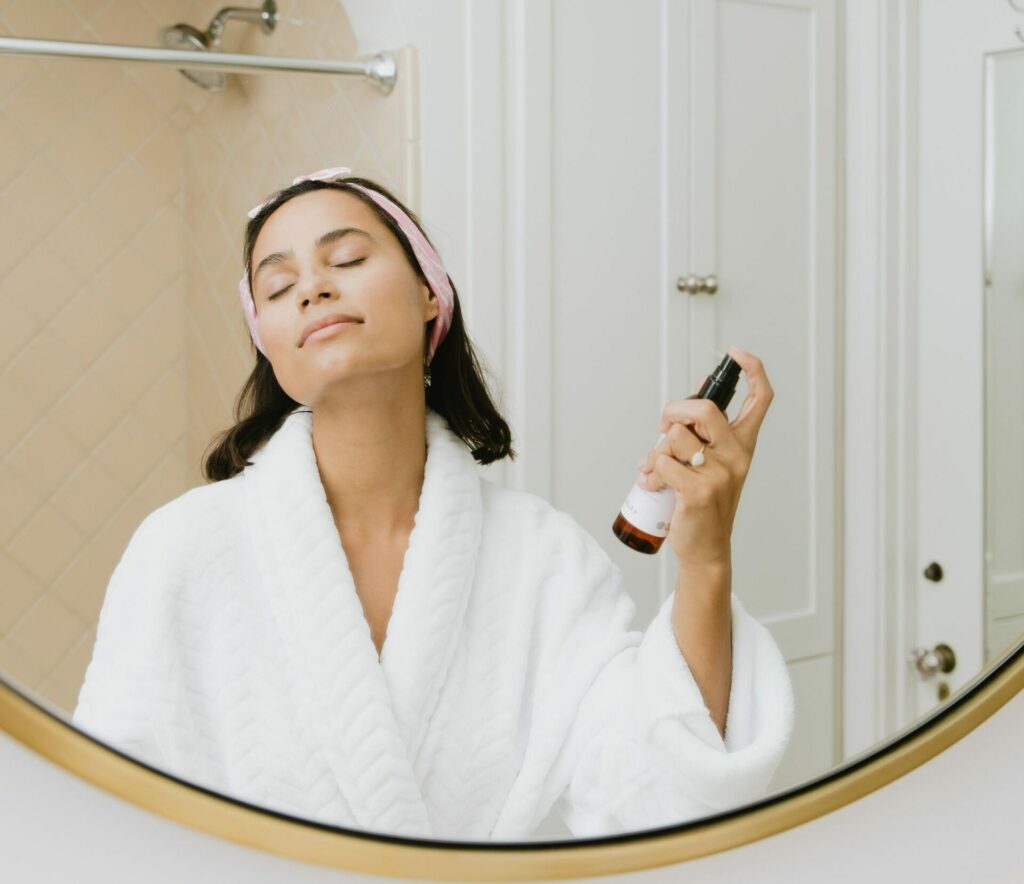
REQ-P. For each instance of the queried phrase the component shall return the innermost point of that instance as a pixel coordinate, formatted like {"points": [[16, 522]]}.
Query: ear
{"points": [[431, 300]]}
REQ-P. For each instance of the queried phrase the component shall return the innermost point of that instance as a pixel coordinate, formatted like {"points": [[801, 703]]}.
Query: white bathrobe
{"points": [[232, 651]]}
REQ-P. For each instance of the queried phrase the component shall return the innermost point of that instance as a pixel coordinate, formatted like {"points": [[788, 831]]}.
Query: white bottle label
{"points": [[650, 511]]}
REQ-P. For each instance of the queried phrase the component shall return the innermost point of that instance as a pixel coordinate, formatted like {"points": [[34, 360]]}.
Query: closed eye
{"points": [[349, 264]]}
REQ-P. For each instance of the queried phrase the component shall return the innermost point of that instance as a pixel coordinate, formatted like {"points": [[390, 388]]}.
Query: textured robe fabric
{"points": [[232, 650]]}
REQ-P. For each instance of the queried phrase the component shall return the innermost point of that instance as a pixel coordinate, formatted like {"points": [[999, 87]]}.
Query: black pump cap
{"points": [[720, 385]]}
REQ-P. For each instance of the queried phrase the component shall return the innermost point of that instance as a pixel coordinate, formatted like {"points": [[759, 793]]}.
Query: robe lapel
{"points": [[434, 587], [369, 714]]}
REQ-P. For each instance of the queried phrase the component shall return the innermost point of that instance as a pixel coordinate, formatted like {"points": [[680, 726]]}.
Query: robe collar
{"points": [[370, 714]]}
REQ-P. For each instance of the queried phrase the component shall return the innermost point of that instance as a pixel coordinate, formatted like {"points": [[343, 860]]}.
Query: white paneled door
{"points": [[698, 142], [971, 71]]}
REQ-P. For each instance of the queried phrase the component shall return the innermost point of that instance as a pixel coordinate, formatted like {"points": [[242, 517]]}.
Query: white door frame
{"points": [[881, 357]]}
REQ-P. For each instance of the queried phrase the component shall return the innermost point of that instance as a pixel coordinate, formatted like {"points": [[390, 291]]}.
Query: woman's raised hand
{"points": [[707, 496]]}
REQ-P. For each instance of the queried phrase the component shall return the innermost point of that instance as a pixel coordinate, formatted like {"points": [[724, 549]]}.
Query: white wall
{"points": [[954, 819]]}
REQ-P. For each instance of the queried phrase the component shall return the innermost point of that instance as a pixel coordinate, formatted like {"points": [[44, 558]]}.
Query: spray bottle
{"points": [[645, 518]]}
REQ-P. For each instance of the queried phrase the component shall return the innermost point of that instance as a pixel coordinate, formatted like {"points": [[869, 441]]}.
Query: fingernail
{"points": [[640, 463]]}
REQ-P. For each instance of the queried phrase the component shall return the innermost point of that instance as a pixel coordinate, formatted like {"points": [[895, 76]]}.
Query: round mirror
{"points": [[307, 513]]}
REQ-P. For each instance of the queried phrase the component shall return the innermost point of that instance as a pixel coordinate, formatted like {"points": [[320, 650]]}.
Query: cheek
{"points": [[390, 288], [391, 296], [274, 329]]}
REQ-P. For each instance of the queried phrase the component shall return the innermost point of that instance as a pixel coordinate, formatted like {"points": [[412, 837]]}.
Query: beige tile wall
{"points": [[123, 197]]}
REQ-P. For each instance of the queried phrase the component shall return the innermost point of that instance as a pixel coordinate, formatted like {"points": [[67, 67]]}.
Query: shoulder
{"points": [[522, 510], [165, 553], [190, 519], [553, 539]]}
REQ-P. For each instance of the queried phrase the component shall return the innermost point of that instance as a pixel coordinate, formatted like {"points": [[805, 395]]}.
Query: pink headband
{"points": [[429, 262]]}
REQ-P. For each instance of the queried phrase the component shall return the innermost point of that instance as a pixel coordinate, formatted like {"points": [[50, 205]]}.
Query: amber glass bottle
{"points": [[645, 518]]}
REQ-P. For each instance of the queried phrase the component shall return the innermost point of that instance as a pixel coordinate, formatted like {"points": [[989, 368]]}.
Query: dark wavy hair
{"points": [[457, 390]]}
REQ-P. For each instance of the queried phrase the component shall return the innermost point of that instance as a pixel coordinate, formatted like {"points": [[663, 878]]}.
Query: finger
{"points": [[681, 477], [663, 425], [680, 443], [747, 423], [702, 416]]}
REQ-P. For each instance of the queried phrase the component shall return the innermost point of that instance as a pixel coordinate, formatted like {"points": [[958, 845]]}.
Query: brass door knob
{"points": [[697, 284], [929, 662]]}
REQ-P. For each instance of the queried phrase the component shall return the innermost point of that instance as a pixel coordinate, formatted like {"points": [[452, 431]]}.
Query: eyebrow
{"points": [[326, 239]]}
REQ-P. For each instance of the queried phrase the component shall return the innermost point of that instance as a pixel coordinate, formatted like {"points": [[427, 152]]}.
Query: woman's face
{"points": [[303, 281]]}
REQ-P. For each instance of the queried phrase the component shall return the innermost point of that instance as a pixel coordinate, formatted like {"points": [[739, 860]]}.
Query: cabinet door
{"points": [[699, 138]]}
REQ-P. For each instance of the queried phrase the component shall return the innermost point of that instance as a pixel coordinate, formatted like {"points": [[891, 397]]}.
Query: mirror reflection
{"points": [[401, 463]]}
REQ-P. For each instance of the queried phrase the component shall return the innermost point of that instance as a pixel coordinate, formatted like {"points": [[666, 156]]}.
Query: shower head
{"points": [[182, 36]]}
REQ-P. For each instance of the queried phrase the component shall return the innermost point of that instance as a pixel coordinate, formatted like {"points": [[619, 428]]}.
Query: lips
{"points": [[324, 321]]}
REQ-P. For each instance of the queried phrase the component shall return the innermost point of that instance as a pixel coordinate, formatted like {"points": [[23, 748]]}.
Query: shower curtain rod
{"points": [[381, 69]]}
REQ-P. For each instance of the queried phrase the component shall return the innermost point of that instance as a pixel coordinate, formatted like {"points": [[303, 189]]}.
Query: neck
{"points": [[372, 461]]}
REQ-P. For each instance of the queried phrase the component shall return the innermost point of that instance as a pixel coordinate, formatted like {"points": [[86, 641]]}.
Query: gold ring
{"points": [[698, 458]]}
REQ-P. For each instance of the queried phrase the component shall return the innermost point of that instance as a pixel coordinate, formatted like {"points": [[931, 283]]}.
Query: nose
{"points": [[313, 286], [324, 293]]}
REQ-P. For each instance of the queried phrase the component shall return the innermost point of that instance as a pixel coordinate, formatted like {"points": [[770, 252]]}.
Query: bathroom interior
{"points": [[124, 186]]}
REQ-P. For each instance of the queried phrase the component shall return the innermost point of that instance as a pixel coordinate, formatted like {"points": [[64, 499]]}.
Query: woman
{"points": [[350, 624]]}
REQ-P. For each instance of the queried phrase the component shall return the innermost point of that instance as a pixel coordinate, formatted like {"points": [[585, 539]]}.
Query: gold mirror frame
{"points": [[216, 814]]}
